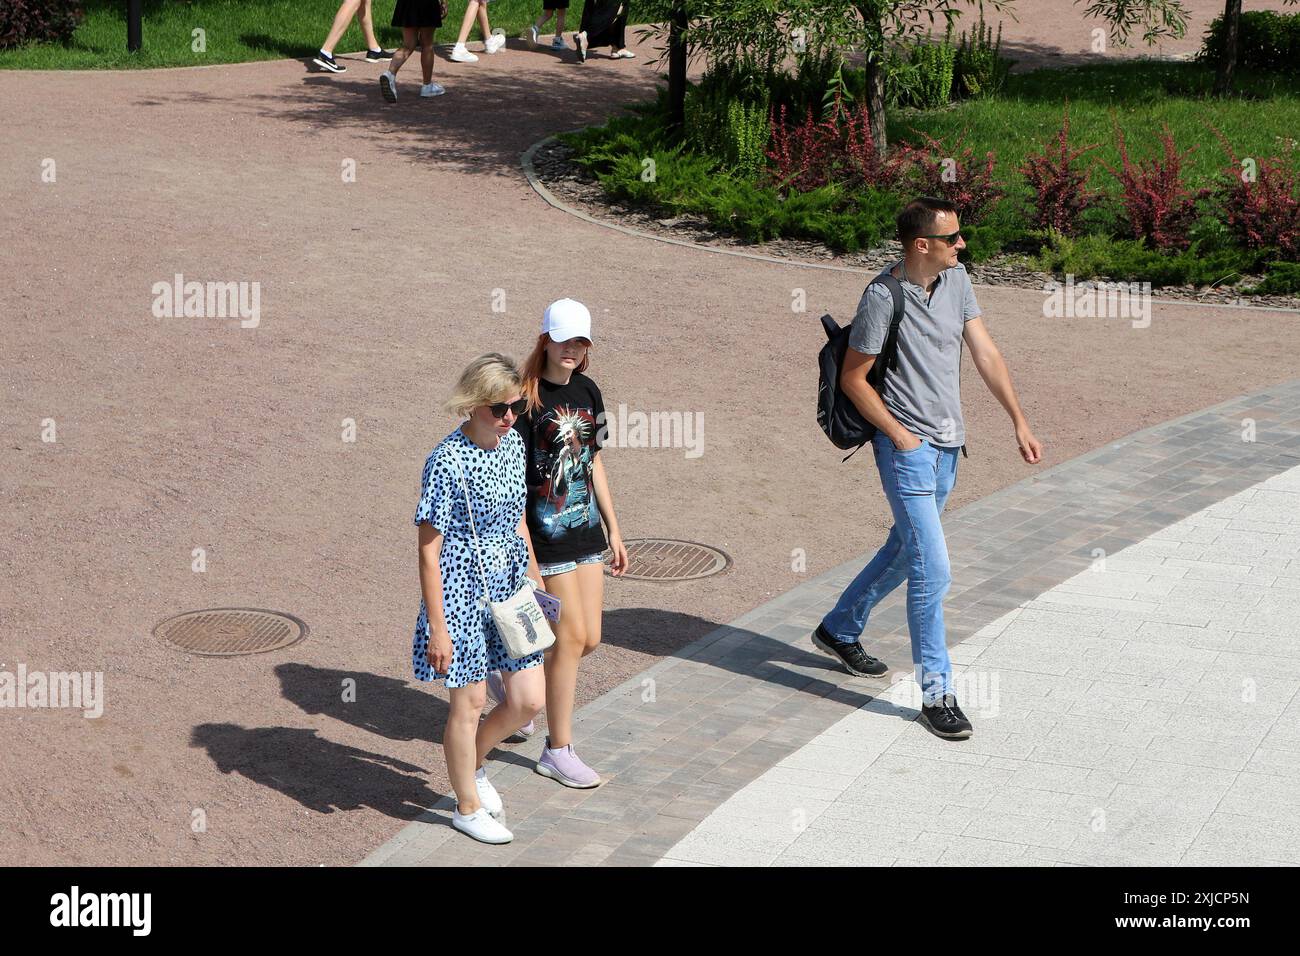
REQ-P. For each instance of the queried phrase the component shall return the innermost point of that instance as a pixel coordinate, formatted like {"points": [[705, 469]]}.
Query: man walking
{"points": [[920, 432]]}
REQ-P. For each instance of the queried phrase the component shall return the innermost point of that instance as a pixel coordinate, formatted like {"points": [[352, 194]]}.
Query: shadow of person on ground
{"points": [[482, 125], [387, 706], [665, 633], [321, 775]]}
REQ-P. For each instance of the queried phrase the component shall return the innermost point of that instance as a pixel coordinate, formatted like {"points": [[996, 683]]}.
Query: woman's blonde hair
{"points": [[535, 365], [488, 379]]}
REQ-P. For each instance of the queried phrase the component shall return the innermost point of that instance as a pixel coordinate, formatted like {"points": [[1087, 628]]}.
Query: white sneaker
{"points": [[495, 42], [461, 55], [557, 43], [481, 826], [532, 35], [388, 86], [431, 89], [487, 794]]}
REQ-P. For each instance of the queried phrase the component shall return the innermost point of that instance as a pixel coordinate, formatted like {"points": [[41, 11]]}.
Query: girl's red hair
{"points": [[533, 368]]}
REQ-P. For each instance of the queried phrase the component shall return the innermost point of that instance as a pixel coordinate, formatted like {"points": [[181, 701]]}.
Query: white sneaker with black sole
{"points": [[481, 826], [327, 62], [388, 86]]}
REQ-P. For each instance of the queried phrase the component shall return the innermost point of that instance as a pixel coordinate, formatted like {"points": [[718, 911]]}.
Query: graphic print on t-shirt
{"points": [[565, 501]]}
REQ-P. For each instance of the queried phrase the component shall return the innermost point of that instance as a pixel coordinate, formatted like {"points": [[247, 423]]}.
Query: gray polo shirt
{"points": [[923, 392]]}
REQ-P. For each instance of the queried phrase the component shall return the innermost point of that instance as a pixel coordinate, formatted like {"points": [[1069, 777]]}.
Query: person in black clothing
{"points": [[568, 497], [603, 24]]}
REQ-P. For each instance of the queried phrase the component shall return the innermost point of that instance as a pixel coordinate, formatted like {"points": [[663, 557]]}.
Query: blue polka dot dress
{"points": [[496, 485]]}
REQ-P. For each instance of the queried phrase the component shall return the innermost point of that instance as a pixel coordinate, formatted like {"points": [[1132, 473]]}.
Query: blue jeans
{"points": [[917, 483]]}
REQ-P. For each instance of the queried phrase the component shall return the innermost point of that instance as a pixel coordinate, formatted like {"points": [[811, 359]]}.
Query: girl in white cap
{"points": [[568, 496]]}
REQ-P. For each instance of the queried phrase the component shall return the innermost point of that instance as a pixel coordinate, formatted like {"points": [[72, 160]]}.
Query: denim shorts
{"points": [[562, 567]]}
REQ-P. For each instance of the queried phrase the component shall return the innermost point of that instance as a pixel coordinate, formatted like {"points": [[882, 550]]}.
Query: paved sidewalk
{"points": [[1142, 713], [1141, 710]]}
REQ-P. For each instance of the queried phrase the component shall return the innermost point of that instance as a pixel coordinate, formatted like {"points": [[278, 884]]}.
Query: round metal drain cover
{"points": [[662, 559], [230, 631]]}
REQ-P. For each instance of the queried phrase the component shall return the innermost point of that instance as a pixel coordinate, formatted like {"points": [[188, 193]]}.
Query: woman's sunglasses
{"points": [[498, 409]]}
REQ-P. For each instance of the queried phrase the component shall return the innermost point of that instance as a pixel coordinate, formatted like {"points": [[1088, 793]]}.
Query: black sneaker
{"points": [[945, 719], [327, 62], [580, 42], [374, 56], [857, 661]]}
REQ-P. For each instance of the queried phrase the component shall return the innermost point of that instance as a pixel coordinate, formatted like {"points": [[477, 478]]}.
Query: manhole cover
{"points": [[662, 559], [228, 631]]}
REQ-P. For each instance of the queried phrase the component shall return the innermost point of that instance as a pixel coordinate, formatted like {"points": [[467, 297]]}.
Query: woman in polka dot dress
{"points": [[455, 637]]}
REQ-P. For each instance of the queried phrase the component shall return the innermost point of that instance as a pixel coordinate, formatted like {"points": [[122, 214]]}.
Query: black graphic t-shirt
{"points": [[562, 438]]}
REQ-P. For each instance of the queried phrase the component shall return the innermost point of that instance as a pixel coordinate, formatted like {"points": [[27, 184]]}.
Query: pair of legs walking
{"points": [[917, 484], [474, 10], [410, 38], [467, 740], [361, 9], [581, 593]]}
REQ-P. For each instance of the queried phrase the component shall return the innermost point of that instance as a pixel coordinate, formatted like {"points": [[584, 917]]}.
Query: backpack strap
{"points": [[888, 357], [890, 348]]}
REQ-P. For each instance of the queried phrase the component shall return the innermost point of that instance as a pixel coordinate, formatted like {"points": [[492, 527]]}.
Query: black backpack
{"points": [[836, 413]]}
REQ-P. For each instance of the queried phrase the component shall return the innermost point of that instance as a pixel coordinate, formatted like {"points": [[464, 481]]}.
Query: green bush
{"points": [[728, 128], [1002, 227], [1131, 260], [1265, 41], [934, 63], [980, 69], [1282, 278], [747, 135], [706, 120]]}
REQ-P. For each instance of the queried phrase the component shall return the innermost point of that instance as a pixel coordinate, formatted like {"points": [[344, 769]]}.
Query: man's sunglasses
{"points": [[951, 238], [498, 409]]}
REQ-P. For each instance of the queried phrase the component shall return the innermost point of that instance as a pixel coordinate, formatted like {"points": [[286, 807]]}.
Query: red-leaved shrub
{"points": [[1160, 207], [837, 149], [1060, 189], [865, 165], [28, 21], [1261, 205], [802, 155], [956, 175]]}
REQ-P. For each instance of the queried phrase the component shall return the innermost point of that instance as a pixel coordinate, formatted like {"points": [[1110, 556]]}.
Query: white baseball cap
{"points": [[566, 319]]}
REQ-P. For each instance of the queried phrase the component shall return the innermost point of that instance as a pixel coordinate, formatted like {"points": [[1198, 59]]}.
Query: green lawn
{"points": [[236, 31], [1139, 97]]}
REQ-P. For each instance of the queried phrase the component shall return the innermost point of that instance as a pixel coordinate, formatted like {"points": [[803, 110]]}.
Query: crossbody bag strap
{"points": [[474, 531]]}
